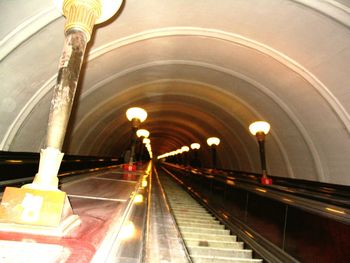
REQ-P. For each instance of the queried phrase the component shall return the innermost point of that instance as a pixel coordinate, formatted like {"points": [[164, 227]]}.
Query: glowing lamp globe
{"points": [[195, 146], [213, 141], [259, 126], [136, 113], [142, 133], [185, 148]]}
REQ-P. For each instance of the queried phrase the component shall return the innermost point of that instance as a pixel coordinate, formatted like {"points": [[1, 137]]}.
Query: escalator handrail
{"points": [[301, 198]]}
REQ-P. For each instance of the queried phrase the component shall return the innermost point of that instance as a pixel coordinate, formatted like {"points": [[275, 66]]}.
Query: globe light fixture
{"points": [[213, 141], [142, 133], [195, 146], [136, 113], [185, 148], [260, 129]]}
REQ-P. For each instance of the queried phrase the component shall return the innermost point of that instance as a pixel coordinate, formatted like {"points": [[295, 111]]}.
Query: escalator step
{"points": [[201, 259], [196, 220], [186, 220], [208, 237], [195, 216], [220, 252], [212, 225], [204, 230], [214, 244]]}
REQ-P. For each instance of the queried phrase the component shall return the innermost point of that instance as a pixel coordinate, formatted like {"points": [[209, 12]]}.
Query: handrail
{"points": [[19, 165], [23, 180], [332, 194], [33, 157], [179, 234]]}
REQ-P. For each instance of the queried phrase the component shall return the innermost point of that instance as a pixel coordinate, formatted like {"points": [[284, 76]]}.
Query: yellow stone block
{"points": [[32, 207]]}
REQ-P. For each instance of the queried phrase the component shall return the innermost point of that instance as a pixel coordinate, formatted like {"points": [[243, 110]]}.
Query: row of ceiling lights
{"points": [[212, 141], [138, 115], [257, 128]]}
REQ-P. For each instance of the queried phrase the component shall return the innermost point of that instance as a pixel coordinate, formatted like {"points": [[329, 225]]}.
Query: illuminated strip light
{"points": [[14, 161], [249, 234], [230, 182], [98, 198], [335, 210], [225, 216], [261, 190]]}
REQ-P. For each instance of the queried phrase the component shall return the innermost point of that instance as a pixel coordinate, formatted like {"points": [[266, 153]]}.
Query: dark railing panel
{"points": [[14, 165], [267, 217], [236, 202], [316, 239]]}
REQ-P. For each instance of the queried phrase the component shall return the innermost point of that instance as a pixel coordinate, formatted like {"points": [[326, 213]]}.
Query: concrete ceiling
{"points": [[200, 69]]}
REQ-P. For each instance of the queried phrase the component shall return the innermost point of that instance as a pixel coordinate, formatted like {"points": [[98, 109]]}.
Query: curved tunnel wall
{"points": [[208, 74]]}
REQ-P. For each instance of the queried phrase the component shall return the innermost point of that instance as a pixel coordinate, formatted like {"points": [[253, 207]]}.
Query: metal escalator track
{"points": [[205, 238]]}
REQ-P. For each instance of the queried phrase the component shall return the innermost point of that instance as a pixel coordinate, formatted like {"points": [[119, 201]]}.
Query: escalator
{"points": [[191, 215], [204, 237], [290, 221]]}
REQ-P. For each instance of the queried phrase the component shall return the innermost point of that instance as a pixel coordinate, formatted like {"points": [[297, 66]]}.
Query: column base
{"points": [[266, 180], [36, 212], [129, 167]]}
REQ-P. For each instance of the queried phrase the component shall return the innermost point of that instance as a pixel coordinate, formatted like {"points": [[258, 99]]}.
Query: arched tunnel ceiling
{"points": [[200, 69]]}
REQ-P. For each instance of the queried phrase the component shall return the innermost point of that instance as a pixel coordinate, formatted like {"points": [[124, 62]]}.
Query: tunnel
{"points": [[200, 69]]}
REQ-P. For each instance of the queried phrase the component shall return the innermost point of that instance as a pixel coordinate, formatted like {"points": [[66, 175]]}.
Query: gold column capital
{"points": [[81, 15]]}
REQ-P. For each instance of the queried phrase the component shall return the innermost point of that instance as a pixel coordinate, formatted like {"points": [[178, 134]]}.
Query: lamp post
{"points": [[213, 142], [136, 116], [195, 147], [178, 156], [260, 129], [185, 150], [81, 16], [146, 141], [142, 134]]}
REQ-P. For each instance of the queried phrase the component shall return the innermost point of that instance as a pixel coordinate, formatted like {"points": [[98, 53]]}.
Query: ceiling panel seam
{"points": [[26, 30], [332, 9]]}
